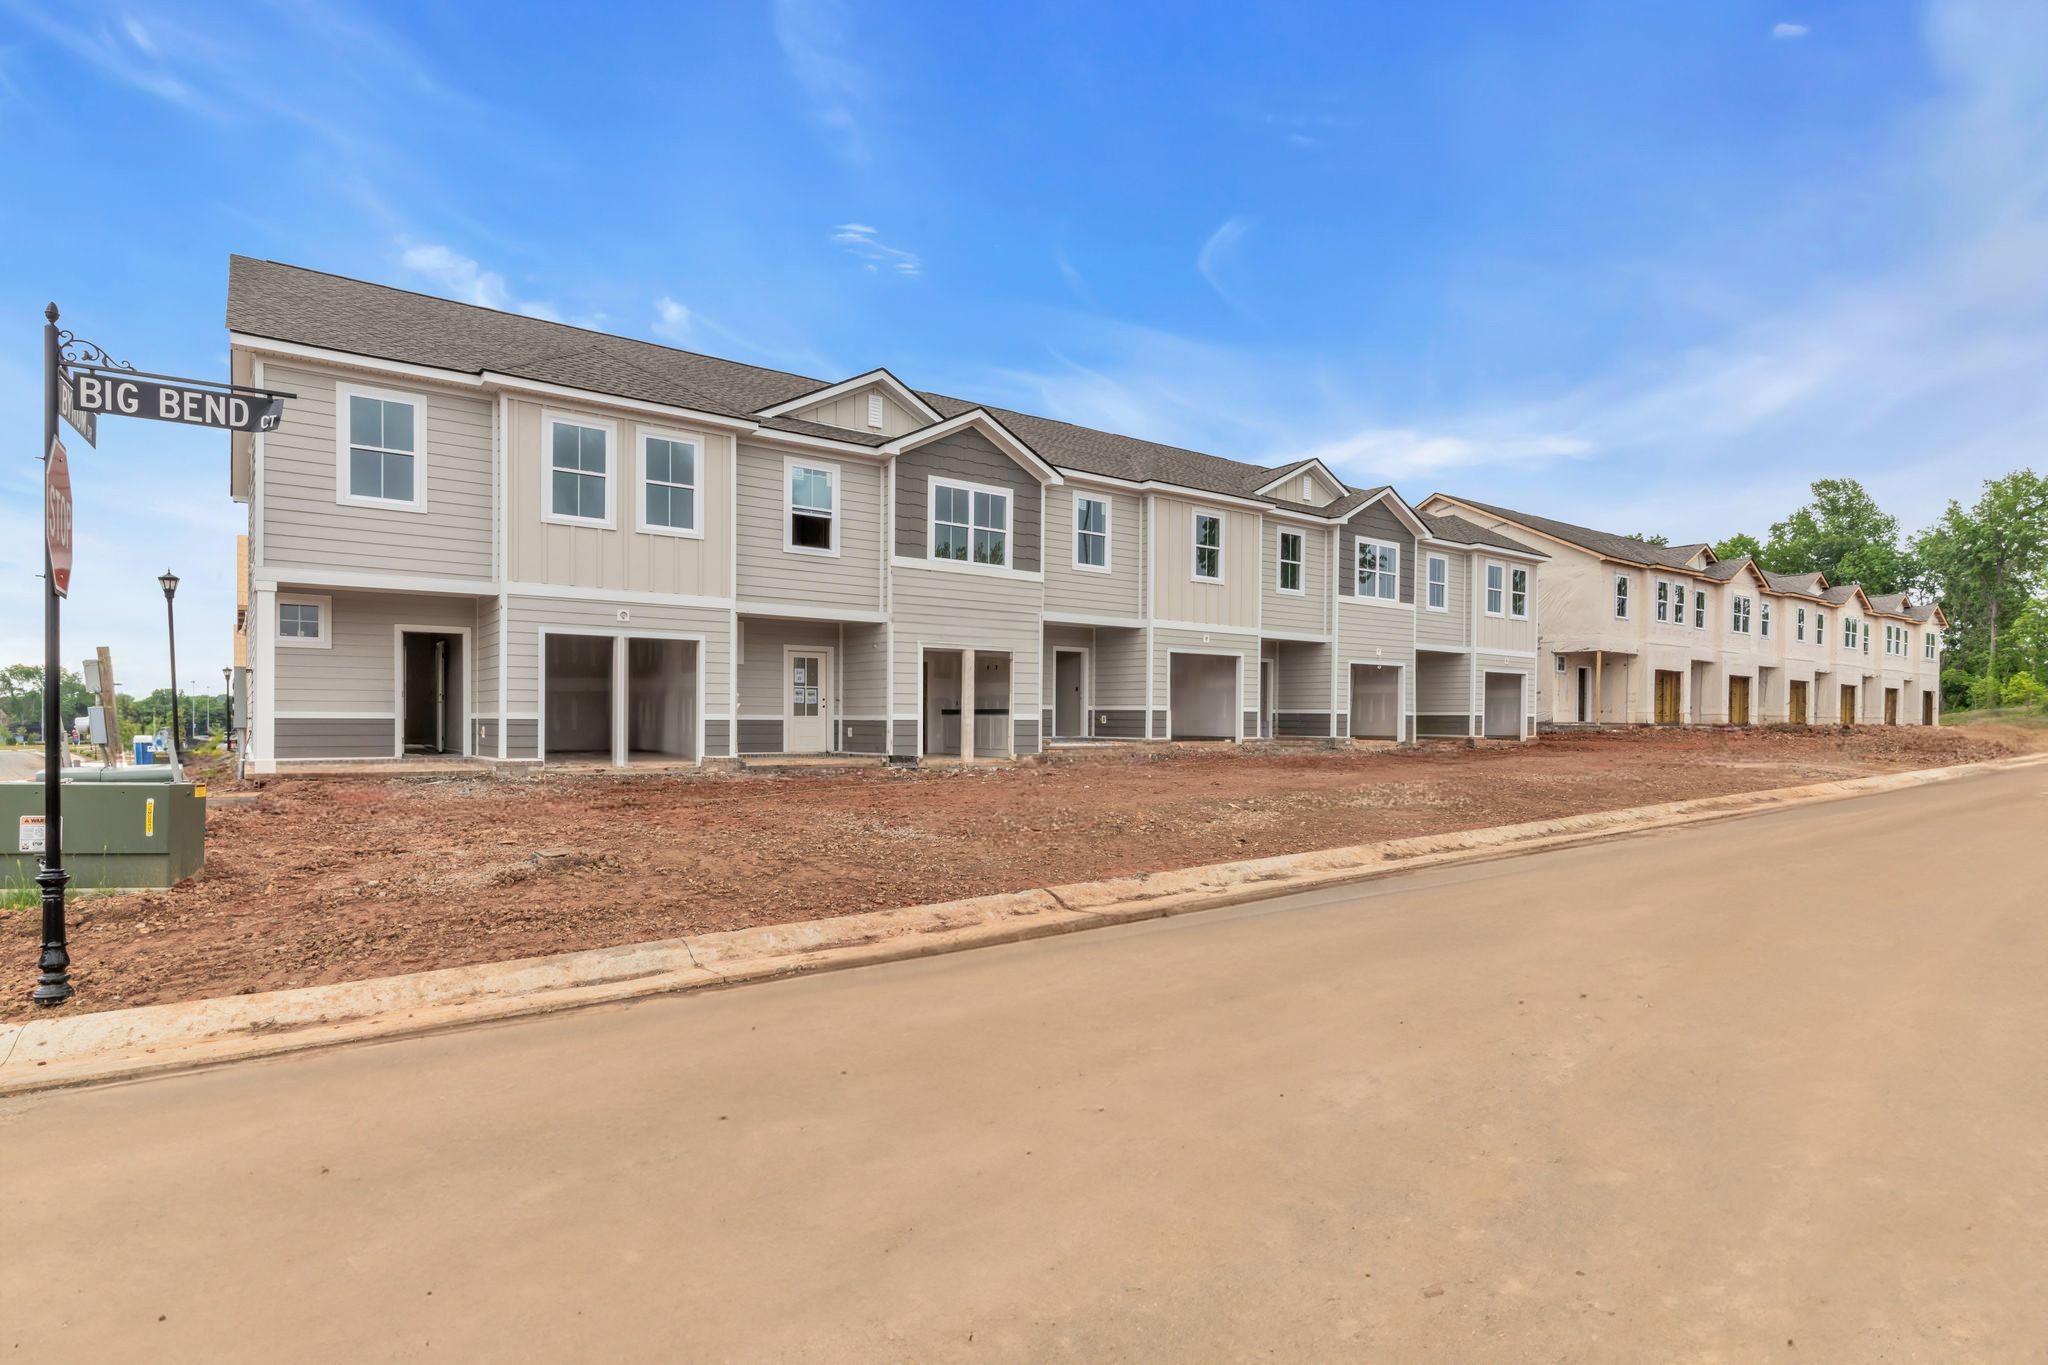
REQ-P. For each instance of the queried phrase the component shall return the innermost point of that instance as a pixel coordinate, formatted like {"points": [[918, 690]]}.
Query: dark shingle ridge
{"points": [[336, 312]]}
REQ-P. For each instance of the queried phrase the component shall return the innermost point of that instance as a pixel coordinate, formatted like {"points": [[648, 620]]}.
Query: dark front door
{"points": [[431, 703], [1585, 696]]}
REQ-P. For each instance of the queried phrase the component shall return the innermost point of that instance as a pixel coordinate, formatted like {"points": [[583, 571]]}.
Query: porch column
{"points": [[260, 726], [966, 706], [1599, 708]]}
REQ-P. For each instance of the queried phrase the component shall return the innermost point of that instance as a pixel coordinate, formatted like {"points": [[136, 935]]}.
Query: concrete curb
{"points": [[44, 1054]]}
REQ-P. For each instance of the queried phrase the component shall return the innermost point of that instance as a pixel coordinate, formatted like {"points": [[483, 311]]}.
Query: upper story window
{"points": [[1763, 620], [1928, 638], [1820, 627], [1439, 583], [1799, 625], [579, 472], [668, 478], [1621, 597], [1518, 594], [1379, 570], [1738, 614], [1664, 602], [1091, 533], [1850, 627], [970, 523], [1208, 547], [303, 622], [1496, 589], [1867, 633], [1290, 561], [1699, 608], [380, 456], [811, 521]]}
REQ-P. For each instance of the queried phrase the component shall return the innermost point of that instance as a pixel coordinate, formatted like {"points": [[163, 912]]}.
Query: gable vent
{"points": [[875, 411]]}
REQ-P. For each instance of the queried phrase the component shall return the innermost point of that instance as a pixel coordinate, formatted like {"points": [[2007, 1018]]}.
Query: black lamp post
{"points": [[169, 581], [227, 699]]}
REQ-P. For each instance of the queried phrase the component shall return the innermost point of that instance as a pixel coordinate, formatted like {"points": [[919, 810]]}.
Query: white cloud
{"points": [[815, 37], [1789, 30], [459, 277], [671, 319], [864, 244], [1216, 252]]}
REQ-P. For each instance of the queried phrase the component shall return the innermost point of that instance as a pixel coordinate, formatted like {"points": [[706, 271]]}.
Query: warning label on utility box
{"points": [[32, 834]]}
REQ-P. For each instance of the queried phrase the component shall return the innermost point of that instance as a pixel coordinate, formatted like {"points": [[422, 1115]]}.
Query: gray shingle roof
{"points": [[1464, 532], [1805, 584], [1602, 543], [307, 307]]}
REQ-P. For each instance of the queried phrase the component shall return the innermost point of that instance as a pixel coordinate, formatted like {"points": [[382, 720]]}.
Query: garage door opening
{"points": [[578, 703], [661, 701], [1375, 701], [1503, 706], [1202, 696]]}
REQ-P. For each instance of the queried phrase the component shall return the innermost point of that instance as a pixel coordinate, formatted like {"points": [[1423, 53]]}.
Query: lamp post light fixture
{"points": [[227, 702], [169, 582]]}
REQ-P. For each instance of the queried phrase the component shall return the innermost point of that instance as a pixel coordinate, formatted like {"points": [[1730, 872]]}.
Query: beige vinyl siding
{"points": [[304, 522], [527, 616], [864, 670], [850, 411], [1372, 634], [1233, 603], [358, 673], [1121, 592], [762, 681], [962, 610], [850, 580], [1307, 612], [1443, 684], [1452, 626], [1119, 669], [1062, 637], [488, 625], [1505, 632], [617, 558], [1304, 675]]}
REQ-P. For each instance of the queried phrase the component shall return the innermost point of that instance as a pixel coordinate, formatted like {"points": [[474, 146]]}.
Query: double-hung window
{"points": [[1290, 561], [1699, 608], [1738, 615], [668, 476], [1439, 583], [1820, 628], [1664, 602], [1379, 570], [380, 465], [1763, 620], [1849, 627], [579, 480], [1621, 597], [970, 524], [812, 520], [1799, 625], [1496, 589], [1927, 638], [1518, 594], [1208, 547], [1091, 533]]}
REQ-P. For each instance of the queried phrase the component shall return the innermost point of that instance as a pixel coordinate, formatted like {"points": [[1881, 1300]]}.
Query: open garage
{"points": [[1203, 696], [1375, 701], [1504, 693], [588, 717]]}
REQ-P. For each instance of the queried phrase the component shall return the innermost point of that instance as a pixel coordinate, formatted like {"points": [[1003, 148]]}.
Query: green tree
{"points": [[1741, 545], [1844, 534], [1988, 563], [1649, 538], [21, 696]]}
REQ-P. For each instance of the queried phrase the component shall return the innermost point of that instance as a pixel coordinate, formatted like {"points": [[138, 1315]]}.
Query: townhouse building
{"points": [[1637, 633], [477, 533]]}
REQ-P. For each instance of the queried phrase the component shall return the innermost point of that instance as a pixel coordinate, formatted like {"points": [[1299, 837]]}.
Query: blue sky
{"points": [[1650, 266]]}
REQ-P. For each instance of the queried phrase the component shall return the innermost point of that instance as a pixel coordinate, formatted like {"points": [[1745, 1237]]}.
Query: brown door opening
{"points": [[432, 712], [1891, 706], [1585, 695], [1848, 703], [1738, 701], [1927, 708], [1669, 694], [1798, 704]]}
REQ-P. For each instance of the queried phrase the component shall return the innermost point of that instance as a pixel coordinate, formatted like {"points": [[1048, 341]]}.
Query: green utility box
{"points": [[150, 833]]}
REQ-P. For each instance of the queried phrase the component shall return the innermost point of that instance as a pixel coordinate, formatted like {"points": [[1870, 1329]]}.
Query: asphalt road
{"points": [[1773, 1089]]}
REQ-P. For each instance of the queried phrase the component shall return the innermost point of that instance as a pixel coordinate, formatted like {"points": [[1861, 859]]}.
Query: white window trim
{"points": [[694, 531], [1664, 602], [1195, 573], [1108, 564], [1429, 582], [1528, 591], [933, 483], [1699, 609], [418, 404], [1486, 588], [1739, 620], [1621, 595], [790, 464], [549, 420], [325, 640], [1799, 626], [1358, 576], [1280, 534]]}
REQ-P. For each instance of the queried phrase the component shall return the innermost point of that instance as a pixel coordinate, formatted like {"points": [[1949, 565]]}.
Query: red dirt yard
{"points": [[323, 879]]}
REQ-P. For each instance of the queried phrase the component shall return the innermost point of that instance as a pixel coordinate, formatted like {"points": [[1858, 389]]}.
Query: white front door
{"points": [[807, 701]]}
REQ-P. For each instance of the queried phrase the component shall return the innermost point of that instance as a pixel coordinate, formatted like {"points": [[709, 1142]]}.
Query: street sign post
{"points": [[80, 381], [57, 517]]}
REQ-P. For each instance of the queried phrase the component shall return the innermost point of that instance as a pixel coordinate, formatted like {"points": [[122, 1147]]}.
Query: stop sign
{"points": [[57, 517]]}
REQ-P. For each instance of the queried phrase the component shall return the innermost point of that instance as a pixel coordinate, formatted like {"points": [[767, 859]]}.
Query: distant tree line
{"points": [[1986, 564], [21, 706]]}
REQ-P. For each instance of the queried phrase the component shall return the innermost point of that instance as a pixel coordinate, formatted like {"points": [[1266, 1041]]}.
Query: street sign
{"points": [[86, 424], [57, 518], [185, 404]]}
